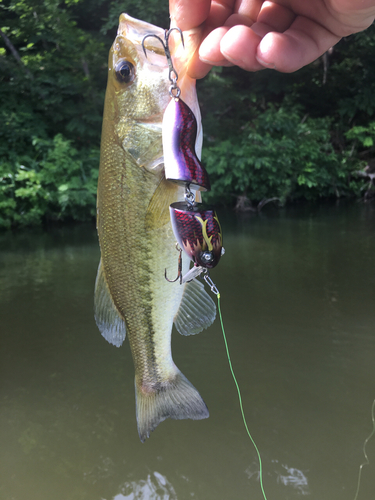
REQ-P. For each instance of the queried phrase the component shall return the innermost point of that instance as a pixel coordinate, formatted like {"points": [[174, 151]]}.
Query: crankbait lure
{"points": [[198, 233]]}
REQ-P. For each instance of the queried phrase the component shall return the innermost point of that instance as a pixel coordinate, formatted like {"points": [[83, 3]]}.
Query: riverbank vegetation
{"points": [[268, 136]]}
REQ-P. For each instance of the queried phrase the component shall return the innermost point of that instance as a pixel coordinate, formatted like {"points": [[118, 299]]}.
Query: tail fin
{"points": [[176, 398]]}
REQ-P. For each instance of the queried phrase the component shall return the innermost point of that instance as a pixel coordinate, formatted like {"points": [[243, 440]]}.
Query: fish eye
{"points": [[125, 71]]}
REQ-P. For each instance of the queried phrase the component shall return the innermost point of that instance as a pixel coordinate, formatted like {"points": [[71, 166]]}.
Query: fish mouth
{"points": [[136, 30], [146, 39]]}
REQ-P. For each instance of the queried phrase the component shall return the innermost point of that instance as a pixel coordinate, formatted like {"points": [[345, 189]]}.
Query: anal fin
{"points": [[111, 325]]}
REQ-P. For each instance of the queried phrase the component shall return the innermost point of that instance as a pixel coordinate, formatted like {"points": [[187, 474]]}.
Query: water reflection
{"points": [[155, 487], [298, 298], [282, 474], [295, 478]]}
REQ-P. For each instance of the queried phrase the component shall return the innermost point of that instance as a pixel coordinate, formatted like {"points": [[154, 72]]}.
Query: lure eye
{"points": [[207, 257], [125, 71]]}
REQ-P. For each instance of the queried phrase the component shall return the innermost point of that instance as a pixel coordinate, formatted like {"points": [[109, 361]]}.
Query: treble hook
{"points": [[179, 271], [173, 76]]}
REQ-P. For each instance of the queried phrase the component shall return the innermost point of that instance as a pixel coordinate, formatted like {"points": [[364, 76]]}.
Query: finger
{"points": [[360, 13], [276, 16], [239, 46], [206, 15], [199, 66], [219, 12], [298, 46], [189, 15], [223, 46], [248, 8], [209, 51], [238, 19]]}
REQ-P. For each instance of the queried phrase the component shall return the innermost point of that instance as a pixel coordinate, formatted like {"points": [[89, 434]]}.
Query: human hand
{"points": [[284, 35]]}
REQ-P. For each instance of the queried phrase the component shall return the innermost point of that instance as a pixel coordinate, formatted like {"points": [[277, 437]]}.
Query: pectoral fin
{"points": [[110, 323], [157, 214], [197, 310]]}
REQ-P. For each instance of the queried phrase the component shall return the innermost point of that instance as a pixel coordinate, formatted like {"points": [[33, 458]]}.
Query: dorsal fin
{"points": [[197, 310], [111, 325]]}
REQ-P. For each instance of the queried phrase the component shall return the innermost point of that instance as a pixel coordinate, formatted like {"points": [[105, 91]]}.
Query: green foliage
{"points": [[50, 118], [268, 134], [152, 11], [57, 183], [364, 135], [59, 92], [297, 136], [280, 154]]}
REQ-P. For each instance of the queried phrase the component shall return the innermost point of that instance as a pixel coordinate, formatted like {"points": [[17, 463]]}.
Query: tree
{"points": [[290, 136]]}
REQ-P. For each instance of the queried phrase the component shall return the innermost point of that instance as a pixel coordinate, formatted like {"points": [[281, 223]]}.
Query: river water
{"points": [[298, 303]]}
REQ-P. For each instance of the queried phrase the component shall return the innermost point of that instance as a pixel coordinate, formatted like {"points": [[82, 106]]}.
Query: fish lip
{"points": [[136, 29]]}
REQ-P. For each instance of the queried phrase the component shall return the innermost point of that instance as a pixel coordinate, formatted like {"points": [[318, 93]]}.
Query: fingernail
{"points": [[265, 63], [232, 60], [222, 62], [207, 61]]}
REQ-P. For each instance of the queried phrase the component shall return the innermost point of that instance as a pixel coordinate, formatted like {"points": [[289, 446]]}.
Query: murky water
{"points": [[298, 301]]}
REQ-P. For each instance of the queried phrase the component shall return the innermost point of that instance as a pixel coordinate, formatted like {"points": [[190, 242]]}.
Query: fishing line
{"points": [[240, 399], [247, 429], [364, 449], [215, 290]]}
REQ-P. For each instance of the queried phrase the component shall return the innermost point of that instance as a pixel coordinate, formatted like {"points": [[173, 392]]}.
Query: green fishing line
{"points": [[244, 419], [364, 449], [240, 400]]}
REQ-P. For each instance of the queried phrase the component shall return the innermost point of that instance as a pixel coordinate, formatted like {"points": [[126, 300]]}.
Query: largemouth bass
{"points": [[135, 233]]}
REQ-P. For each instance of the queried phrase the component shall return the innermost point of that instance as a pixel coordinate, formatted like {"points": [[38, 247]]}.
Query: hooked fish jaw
{"points": [[150, 89], [135, 107]]}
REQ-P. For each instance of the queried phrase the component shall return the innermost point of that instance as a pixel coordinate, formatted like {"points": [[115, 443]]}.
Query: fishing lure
{"points": [[181, 163], [198, 233], [195, 226]]}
